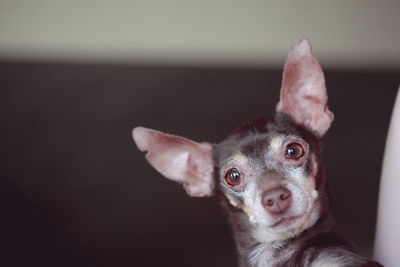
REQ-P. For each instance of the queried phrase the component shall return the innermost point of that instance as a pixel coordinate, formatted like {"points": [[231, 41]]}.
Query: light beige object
{"points": [[387, 240], [357, 34]]}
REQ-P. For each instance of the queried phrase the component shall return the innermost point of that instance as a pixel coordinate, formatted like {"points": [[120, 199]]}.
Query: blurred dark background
{"points": [[77, 76], [77, 192]]}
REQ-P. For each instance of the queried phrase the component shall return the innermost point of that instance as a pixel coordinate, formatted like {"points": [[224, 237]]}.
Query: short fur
{"points": [[315, 246], [268, 174]]}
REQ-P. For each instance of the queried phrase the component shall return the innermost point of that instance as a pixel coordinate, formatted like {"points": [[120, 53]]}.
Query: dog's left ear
{"points": [[303, 91], [179, 159]]}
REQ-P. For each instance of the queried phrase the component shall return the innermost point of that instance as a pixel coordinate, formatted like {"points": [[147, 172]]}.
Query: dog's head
{"points": [[268, 168]]}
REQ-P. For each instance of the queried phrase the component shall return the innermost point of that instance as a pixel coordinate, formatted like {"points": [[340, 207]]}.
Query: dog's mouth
{"points": [[286, 221]]}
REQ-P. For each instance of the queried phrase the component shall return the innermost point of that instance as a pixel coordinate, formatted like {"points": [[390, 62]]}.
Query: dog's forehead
{"points": [[251, 148], [256, 146], [253, 138], [254, 149], [259, 140]]}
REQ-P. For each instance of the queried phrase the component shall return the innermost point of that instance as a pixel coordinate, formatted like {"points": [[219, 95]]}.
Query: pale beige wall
{"points": [[358, 33]]}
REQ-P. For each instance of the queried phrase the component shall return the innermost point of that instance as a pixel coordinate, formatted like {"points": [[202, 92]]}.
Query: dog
{"points": [[268, 174]]}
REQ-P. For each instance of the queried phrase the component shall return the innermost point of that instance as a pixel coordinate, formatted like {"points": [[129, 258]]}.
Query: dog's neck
{"points": [[257, 247]]}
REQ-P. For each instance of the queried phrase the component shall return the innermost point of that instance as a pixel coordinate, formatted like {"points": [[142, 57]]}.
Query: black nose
{"points": [[277, 201]]}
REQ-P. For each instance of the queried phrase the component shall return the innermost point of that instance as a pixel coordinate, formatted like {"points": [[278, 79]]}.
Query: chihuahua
{"points": [[268, 174]]}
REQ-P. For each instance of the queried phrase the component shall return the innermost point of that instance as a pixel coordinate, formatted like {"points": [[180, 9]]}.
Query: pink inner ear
{"points": [[178, 159], [303, 92]]}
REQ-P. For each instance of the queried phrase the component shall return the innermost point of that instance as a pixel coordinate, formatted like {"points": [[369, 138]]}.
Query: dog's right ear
{"points": [[178, 159]]}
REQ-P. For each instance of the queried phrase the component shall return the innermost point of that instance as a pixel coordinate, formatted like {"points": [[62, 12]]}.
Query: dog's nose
{"points": [[277, 201]]}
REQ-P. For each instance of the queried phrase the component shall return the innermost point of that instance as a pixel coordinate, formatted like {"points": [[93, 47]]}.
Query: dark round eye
{"points": [[294, 151], [232, 177]]}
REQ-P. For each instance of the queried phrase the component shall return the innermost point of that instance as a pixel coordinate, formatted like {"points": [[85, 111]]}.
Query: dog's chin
{"points": [[272, 229], [287, 227], [286, 223], [281, 229], [290, 226]]}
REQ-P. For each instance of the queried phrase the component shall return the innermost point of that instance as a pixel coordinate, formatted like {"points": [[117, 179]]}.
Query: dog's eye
{"points": [[233, 177], [294, 151]]}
